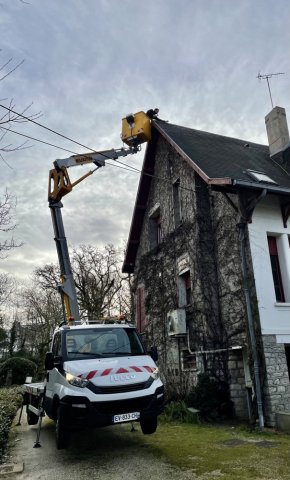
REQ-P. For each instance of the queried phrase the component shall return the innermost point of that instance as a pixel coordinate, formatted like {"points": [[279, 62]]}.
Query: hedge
{"points": [[10, 401], [15, 370]]}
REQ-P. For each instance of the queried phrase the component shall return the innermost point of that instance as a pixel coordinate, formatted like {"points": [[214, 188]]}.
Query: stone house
{"points": [[209, 251]]}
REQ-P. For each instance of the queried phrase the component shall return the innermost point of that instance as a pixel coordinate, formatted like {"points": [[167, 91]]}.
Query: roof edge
{"points": [[179, 150]]}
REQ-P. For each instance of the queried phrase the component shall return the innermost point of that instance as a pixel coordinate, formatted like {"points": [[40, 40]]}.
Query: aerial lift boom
{"points": [[136, 129]]}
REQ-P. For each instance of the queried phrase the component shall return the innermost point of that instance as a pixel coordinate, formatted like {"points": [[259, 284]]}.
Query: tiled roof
{"points": [[224, 157]]}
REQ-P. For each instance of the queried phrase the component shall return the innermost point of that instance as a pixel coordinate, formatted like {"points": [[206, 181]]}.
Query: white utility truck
{"points": [[97, 374]]}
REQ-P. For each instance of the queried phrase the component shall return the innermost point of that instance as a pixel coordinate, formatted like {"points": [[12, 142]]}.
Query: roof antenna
{"points": [[266, 77]]}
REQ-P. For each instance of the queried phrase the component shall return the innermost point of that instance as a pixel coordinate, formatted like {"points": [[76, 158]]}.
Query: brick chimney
{"points": [[277, 130]]}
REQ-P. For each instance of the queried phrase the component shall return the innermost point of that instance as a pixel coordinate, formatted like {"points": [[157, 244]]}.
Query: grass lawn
{"points": [[210, 452], [223, 452]]}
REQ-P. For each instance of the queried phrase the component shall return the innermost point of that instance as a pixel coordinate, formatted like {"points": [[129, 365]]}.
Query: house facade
{"points": [[202, 213]]}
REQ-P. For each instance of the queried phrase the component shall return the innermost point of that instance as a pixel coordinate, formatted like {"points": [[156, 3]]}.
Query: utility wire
{"points": [[125, 167], [36, 139], [51, 130]]}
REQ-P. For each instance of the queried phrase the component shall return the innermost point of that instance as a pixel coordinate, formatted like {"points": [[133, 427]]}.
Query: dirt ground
{"points": [[108, 454]]}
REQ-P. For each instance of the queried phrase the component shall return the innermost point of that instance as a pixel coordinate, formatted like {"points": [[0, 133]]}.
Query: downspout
{"points": [[242, 238]]}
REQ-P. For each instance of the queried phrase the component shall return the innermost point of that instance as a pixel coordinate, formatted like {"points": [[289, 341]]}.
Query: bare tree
{"points": [[42, 313], [7, 223], [98, 279], [7, 287], [8, 114], [101, 287]]}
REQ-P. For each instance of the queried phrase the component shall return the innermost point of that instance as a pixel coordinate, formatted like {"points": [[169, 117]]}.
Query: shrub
{"points": [[10, 401], [211, 397], [19, 368], [178, 412]]}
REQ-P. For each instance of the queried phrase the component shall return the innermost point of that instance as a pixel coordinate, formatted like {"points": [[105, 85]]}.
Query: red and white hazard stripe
{"points": [[115, 371]]}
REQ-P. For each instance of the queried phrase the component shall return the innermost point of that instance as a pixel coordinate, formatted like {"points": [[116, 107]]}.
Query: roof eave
{"points": [[261, 186]]}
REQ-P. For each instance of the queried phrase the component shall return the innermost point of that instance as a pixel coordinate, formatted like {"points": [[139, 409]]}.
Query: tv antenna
{"points": [[266, 77]]}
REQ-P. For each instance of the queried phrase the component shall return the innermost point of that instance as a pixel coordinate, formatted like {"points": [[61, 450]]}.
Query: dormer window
{"points": [[260, 176]]}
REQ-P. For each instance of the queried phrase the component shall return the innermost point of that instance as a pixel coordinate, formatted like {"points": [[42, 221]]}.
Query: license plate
{"points": [[126, 417]]}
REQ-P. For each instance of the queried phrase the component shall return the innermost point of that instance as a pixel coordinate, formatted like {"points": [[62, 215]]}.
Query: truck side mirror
{"points": [[49, 361], [153, 353]]}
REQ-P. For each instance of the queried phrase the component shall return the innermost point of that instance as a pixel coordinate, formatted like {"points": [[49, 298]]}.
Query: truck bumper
{"points": [[81, 413]]}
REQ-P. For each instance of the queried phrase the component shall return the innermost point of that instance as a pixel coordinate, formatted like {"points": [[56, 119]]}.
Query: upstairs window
{"points": [[155, 228], [276, 272], [176, 202], [184, 289]]}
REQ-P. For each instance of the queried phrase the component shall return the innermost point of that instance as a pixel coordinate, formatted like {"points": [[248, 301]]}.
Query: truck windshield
{"points": [[102, 343]]}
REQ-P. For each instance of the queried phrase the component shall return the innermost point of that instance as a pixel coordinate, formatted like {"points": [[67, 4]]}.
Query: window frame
{"points": [[155, 228], [184, 288], [176, 202], [275, 268]]}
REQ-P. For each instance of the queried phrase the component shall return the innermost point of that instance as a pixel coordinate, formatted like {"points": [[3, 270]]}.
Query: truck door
{"points": [[53, 376]]}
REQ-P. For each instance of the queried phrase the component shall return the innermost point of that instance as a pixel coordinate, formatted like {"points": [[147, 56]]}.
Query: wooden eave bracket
{"points": [[285, 211], [247, 203]]}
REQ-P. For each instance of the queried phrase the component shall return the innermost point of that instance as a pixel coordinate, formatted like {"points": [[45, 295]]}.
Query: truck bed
{"points": [[33, 388]]}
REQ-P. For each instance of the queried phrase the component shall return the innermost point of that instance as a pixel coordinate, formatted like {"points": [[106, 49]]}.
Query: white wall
{"points": [[267, 220]]}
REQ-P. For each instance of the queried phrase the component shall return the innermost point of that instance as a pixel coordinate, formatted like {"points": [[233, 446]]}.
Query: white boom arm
{"points": [[98, 158]]}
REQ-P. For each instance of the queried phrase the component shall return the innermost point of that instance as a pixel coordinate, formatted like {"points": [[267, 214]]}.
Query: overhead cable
{"points": [[125, 166]]}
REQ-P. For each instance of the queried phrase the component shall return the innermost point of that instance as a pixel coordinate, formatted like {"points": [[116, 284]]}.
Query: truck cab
{"points": [[99, 375]]}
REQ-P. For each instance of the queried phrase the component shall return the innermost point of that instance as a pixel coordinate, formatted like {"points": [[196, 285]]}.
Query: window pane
{"points": [[277, 278]]}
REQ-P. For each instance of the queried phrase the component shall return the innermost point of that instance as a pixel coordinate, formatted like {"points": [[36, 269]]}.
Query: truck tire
{"points": [[148, 425], [32, 418], [62, 433]]}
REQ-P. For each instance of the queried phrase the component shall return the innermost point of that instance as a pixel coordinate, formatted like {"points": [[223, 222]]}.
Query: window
{"points": [[287, 353], [260, 176], [184, 289], [56, 347], [140, 309], [155, 228], [102, 343], [276, 272], [176, 202]]}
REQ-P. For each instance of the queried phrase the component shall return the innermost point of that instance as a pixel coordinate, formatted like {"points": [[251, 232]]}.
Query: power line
{"points": [[125, 167], [50, 129], [36, 139], [152, 176]]}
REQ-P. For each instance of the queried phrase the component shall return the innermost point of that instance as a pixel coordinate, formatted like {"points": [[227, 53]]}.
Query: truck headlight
{"points": [[155, 373], [76, 381]]}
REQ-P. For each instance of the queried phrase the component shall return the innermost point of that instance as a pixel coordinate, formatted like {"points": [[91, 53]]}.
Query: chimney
{"points": [[277, 130]]}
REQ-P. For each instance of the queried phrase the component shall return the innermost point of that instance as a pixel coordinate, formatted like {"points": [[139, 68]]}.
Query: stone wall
{"points": [[276, 385], [207, 237], [238, 388]]}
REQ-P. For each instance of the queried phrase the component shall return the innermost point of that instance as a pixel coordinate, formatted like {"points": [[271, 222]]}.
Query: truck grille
{"points": [[132, 387], [123, 406]]}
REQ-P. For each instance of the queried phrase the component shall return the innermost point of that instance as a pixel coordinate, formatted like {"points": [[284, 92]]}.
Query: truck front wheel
{"points": [[61, 431], [148, 425]]}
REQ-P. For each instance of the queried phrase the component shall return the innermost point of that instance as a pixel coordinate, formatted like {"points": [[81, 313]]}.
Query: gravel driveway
{"points": [[108, 454]]}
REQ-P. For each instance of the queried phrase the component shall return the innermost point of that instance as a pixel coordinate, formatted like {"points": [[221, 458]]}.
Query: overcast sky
{"points": [[87, 63]]}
